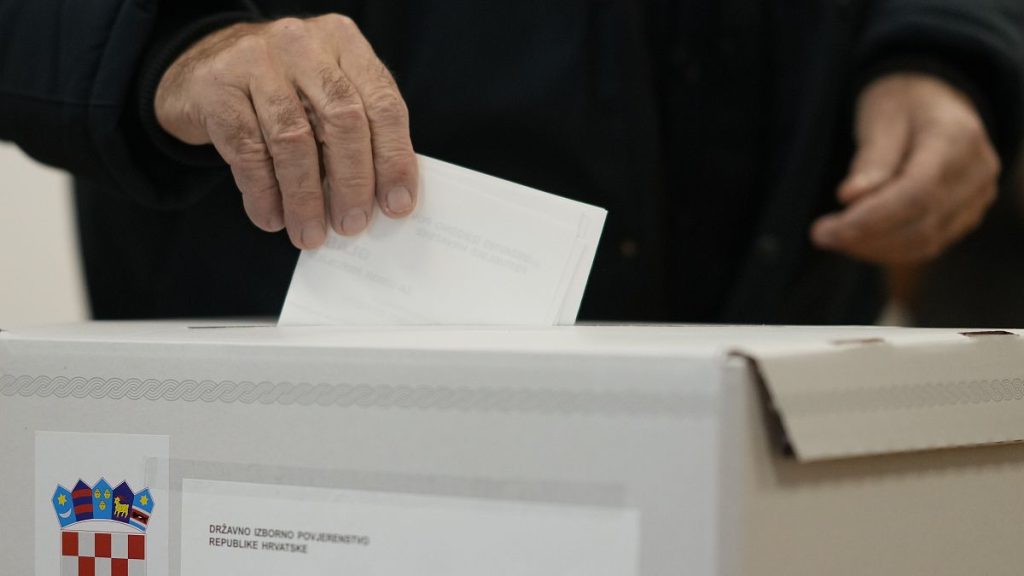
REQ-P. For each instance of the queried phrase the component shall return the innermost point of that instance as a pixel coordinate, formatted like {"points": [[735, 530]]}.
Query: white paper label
{"points": [[262, 530], [97, 510]]}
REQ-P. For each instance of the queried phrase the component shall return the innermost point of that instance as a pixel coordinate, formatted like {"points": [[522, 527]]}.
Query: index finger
{"points": [[911, 196]]}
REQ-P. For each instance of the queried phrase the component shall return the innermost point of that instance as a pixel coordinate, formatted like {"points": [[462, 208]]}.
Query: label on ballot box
{"points": [[267, 530]]}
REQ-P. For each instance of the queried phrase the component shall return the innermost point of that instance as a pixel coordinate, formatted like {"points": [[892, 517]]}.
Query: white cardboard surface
{"points": [[515, 420], [644, 418]]}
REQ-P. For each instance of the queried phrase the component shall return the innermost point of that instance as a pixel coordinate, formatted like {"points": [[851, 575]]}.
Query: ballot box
{"points": [[209, 449]]}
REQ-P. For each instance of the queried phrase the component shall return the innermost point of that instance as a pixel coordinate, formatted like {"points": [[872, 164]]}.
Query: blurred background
{"points": [[978, 283], [41, 280]]}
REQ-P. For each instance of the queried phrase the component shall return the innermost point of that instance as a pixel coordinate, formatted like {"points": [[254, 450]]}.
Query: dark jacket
{"points": [[714, 132]]}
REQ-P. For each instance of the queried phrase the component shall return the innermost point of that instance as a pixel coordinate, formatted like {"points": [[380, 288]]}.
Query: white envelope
{"points": [[477, 250]]}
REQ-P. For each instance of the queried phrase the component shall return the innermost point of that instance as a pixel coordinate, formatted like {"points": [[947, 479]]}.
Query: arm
{"points": [[68, 83], [65, 75], [976, 46], [944, 85]]}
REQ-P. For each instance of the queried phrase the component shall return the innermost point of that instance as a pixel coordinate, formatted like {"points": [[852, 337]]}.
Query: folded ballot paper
{"points": [[477, 250]]}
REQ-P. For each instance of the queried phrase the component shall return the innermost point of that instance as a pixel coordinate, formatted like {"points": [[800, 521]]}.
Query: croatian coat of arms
{"points": [[102, 529]]}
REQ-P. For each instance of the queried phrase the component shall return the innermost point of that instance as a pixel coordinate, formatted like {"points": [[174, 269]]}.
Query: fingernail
{"points": [[313, 234], [399, 200], [354, 222]]}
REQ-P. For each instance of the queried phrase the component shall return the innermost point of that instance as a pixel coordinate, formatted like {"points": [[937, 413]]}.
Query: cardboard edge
{"points": [[895, 356], [777, 434]]}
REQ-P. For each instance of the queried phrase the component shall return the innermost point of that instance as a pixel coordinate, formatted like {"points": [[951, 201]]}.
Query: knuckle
{"points": [[249, 152], [288, 114], [263, 191], [224, 116], [248, 53], [291, 137], [288, 27], [352, 189], [339, 22], [247, 47], [303, 200], [394, 165], [335, 85], [345, 116], [378, 70], [398, 163], [387, 106]]}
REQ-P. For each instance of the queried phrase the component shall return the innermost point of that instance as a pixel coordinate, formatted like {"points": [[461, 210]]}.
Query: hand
{"points": [[924, 174], [309, 120]]}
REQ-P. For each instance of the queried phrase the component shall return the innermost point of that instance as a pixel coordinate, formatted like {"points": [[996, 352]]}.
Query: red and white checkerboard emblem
{"points": [[102, 529], [86, 553]]}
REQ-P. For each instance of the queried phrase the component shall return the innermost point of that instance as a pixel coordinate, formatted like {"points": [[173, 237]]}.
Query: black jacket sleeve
{"points": [[65, 69], [178, 27], [977, 45], [69, 83]]}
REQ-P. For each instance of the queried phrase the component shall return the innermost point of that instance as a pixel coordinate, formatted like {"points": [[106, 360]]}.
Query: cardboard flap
{"points": [[895, 393]]}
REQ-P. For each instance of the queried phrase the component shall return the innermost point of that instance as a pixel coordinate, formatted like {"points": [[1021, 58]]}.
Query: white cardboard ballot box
{"points": [[195, 449]]}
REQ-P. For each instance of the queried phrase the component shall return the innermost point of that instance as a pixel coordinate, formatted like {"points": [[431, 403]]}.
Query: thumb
{"points": [[883, 137]]}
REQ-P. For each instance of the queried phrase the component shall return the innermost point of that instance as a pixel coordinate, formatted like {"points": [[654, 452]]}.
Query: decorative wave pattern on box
{"points": [[421, 397]]}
